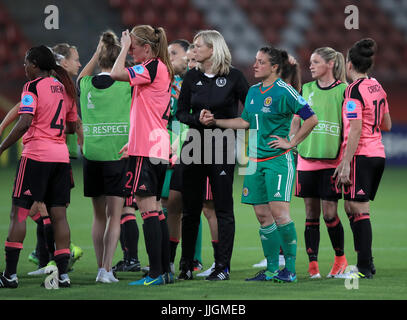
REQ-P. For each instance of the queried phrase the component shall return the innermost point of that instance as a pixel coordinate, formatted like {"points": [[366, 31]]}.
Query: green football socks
{"points": [[270, 240], [288, 236]]}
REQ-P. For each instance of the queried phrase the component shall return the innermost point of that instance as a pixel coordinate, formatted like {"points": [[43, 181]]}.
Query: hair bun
{"points": [[284, 55], [109, 38], [366, 47]]}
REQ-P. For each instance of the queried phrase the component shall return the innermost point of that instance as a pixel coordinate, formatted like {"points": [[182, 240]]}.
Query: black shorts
{"points": [[130, 201], [317, 184], [176, 178], [71, 174], [176, 183], [145, 176], [365, 175], [48, 182], [104, 178]]}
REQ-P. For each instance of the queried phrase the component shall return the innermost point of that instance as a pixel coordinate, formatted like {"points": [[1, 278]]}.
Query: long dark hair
{"points": [[44, 59], [361, 54]]}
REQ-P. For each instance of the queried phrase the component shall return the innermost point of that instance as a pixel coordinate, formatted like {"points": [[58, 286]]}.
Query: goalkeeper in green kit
{"points": [[269, 108]]}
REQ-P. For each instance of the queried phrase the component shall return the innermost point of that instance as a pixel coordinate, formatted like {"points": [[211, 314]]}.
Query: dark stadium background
{"points": [[299, 26]]}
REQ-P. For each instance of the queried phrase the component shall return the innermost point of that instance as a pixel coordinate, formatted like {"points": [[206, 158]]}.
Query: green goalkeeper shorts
{"points": [[272, 180]]}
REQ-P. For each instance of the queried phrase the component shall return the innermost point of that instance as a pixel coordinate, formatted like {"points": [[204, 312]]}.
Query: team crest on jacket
{"points": [[221, 82], [268, 101]]}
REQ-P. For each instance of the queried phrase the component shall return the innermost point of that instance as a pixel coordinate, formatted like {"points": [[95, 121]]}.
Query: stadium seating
{"points": [[268, 16], [328, 29], [165, 13], [13, 46]]}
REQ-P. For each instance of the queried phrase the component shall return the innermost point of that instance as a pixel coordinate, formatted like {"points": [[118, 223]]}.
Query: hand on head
{"points": [[125, 40]]}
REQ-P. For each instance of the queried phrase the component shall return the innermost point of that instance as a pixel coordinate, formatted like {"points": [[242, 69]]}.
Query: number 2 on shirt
{"points": [[54, 124]]}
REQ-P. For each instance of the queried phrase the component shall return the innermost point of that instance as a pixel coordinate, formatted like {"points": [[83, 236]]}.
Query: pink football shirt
{"points": [[51, 107], [150, 108], [366, 100]]}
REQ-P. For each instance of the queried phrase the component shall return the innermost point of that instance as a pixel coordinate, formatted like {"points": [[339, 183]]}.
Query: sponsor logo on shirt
{"points": [[105, 129], [139, 69], [26, 109], [301, 100], [221, 82], [27, 100], [352, 115], [265, 110], [350, 106], [310, 102], [326, 127]]}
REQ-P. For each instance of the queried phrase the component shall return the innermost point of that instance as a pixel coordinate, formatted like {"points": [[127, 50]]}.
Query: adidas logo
{"points": [[199, 83], [223, 173], [142, 187], [27, 193], [252, 102], [361, 192], [222, 276], [277, 195]]}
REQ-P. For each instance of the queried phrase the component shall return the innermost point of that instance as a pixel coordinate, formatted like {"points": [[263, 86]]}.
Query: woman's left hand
{"points": [[279, 143], [342, 174]]}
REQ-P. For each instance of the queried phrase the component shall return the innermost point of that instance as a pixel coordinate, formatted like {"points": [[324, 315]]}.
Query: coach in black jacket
{"points": [[218, 87]]}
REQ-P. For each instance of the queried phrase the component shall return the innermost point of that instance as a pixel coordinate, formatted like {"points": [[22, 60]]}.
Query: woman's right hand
{"points": [[125, 40], [206, 118]]}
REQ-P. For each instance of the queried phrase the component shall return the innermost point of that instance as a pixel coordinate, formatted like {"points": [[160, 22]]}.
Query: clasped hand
{"points": [[206, 118]]}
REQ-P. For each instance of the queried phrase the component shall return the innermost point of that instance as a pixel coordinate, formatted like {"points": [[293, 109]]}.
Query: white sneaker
{"points": [[263, 263], [105, 277], [99, 274], [109, 275], [206, 273]]}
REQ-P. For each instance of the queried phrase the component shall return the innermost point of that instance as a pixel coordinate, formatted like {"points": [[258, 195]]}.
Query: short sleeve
{"points": [[143, 73], [245, 115], [298, 105], [352, 109], [72, 113], [29, 102]]}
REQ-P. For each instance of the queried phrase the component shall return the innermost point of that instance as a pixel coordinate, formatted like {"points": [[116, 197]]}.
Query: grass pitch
{"points": [[389, 223]]}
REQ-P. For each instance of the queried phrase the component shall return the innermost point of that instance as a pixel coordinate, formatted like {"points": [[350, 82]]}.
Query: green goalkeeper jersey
{"points": [[269, 111]]}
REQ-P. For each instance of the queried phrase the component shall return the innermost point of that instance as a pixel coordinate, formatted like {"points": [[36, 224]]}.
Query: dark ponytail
{"points": [[44, 59], [62, 75], [291, 74], [361, 54], [276, 56]]}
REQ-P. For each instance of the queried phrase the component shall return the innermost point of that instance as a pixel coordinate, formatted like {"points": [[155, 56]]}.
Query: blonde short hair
{"points": [[221, 58]]}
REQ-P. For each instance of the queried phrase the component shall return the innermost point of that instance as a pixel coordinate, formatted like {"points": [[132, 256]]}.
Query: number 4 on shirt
{"points": [[166, 115], [54, 124]]}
